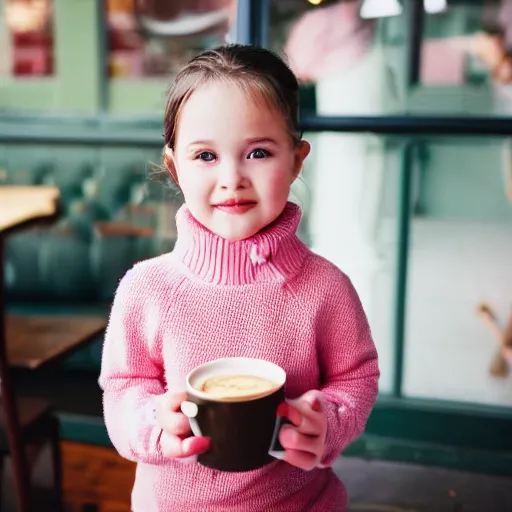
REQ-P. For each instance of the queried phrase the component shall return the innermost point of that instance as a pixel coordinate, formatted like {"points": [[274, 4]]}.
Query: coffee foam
{"points": [[234, 366], [237, 386]]}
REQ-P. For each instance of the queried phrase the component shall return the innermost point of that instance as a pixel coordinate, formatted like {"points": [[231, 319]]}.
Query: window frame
{"points": [[59, 90]]}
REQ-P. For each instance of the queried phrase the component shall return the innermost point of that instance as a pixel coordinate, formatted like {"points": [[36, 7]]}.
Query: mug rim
{"points": [[247, 360]]}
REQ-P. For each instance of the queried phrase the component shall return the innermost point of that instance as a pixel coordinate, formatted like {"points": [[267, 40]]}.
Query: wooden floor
{"points": [[96, 476], [98, 480], [95, 479]]}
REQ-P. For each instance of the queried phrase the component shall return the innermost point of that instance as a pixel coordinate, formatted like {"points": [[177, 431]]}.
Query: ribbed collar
{"points": [[273, 254]]}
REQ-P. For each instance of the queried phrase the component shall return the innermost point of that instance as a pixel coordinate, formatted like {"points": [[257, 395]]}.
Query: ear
{"points": [[301, 152], [170, 163]]}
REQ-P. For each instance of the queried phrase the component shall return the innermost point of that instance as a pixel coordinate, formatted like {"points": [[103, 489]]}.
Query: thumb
{"points": [[314, 399], [175, 447]]}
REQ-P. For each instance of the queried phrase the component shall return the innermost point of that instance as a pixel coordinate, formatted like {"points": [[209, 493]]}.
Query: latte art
{"points": [[226, 387]]}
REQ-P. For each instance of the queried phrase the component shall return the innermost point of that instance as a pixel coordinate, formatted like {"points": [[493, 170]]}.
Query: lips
{"points": [[235, 206]]}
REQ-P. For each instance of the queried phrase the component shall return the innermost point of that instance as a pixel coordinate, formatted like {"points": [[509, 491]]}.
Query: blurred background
{"points": [[407, 105]]}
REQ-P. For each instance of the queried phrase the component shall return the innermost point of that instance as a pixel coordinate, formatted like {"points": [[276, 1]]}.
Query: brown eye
{"points": [[206, 156], [258, 153]]}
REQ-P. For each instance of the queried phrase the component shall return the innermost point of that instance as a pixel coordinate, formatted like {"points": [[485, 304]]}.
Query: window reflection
{"points": [[153, 38], [465, 43], [344, 37], [466, 55], [332, 48], [360, 66], [28, 38], [460, 272]]}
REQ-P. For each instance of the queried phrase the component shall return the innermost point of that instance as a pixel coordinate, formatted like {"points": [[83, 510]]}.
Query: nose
{"points": [[231, 177]]}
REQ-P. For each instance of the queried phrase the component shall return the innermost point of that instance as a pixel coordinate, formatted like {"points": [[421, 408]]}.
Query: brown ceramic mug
{"points": [[243, 429]]}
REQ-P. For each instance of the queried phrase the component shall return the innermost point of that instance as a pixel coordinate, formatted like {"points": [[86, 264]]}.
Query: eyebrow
{"points": [[255, 140], [201, 143]]}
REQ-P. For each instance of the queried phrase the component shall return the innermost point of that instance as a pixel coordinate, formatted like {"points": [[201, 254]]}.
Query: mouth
{"points": [[235, 206]]}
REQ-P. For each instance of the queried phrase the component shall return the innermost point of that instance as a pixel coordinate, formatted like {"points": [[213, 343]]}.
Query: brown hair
{"points": [[256, 70]]}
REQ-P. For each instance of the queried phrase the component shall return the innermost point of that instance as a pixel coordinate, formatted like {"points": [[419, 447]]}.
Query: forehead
{"points": [[223, 108]]}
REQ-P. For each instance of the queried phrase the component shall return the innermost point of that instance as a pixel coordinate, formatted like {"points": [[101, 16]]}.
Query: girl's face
{"points": [[235, 160]]}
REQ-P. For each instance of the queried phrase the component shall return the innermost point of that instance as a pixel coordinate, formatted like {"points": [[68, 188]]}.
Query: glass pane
{"points": [[334, 51], [26, 38], [155, 38], [348, 196], [459, 293], [360, 65]]}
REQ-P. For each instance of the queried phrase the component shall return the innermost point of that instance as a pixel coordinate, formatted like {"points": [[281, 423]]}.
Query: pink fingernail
{"points": [[316, 405], [282, 410], [194, 445], [203, 443]]}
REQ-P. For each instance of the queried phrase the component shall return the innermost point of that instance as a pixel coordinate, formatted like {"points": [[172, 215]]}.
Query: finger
{"points": [[307, 414], [194, 445], [316, 404], [173, 446], [313, 399], [291, 439], [288, 411], [302, 460], [175, 423], [306, 423], [173, 401]]}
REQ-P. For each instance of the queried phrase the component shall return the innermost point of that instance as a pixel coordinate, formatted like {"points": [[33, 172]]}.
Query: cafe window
{"points": [[354, 56], [155, 38], [27, 42]]}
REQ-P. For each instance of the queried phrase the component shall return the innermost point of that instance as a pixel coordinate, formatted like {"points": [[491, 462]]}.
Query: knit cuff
{"points": [[149, 427], [340, 429]]}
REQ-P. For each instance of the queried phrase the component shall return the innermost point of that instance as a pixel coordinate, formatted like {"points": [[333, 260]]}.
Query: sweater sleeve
{"points": [[349, 366], [132, 372]]}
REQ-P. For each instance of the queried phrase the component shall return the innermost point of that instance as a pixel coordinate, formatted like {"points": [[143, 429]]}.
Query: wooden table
{"points": [[19, 206], [22, 205], [33, 341]]}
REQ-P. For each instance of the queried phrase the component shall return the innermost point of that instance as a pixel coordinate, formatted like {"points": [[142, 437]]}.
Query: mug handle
{"points": [[276, 449], [190, 410]]}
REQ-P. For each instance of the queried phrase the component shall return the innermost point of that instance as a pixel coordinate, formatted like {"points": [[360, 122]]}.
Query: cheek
{"points": [[193, 182], [278, 185]]}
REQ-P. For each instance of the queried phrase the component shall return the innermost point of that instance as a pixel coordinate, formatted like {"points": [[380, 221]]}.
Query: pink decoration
{"points": [[328, 41]]}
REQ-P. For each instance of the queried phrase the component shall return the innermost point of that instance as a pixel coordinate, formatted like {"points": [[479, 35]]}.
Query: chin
{"points": [[235, 235]]}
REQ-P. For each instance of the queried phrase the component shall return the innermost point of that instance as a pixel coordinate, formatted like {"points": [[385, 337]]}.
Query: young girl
{"points": [[238, 283]]}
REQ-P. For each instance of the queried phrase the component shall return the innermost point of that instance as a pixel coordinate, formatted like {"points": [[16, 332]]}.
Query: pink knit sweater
{"points": [[266, 297]]}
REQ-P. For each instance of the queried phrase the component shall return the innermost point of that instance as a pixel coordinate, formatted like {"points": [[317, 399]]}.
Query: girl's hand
{"points": [[176, 440], [304, 441]]}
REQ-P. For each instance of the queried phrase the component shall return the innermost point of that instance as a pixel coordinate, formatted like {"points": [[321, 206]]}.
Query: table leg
{"points": [[16, 447]]}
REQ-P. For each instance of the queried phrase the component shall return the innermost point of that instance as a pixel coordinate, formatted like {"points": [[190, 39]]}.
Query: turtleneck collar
{"points": [[273, 254]]}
